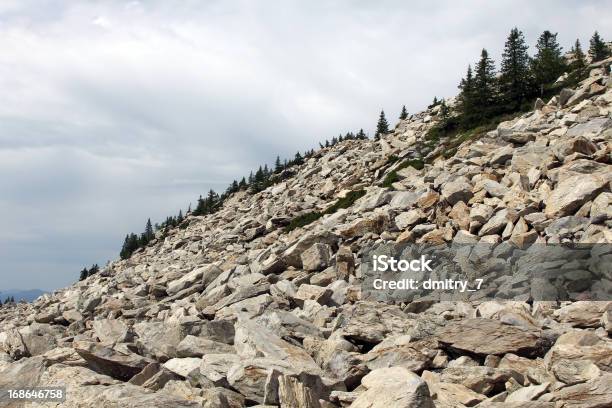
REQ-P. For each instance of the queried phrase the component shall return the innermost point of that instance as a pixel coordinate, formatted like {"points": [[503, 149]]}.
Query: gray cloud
{"points": [[114, 112]]}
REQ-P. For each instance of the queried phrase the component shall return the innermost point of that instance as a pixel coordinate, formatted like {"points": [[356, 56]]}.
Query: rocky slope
{"points": [[231, 310]]}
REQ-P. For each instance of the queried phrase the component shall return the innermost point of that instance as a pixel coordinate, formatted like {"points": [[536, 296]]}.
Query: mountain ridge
{"points": [[236, 309]]}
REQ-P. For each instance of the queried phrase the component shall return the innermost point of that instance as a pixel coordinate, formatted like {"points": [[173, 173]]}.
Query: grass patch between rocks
{"points": [[392, 176], [344, 202]]}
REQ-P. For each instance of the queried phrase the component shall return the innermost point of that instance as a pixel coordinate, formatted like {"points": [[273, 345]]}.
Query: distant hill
{"points": [[28, 295]]}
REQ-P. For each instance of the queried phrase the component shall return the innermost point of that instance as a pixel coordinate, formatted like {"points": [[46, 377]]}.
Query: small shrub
{"points": [[344, 202], [392, 176], [303, 220]]}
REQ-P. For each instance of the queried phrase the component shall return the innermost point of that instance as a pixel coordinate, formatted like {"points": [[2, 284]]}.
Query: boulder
{"points": [[459, 189], [110, 331], [393, 386], [121, 365], [572, 192], [487, 336], [192, 346], [183, 366], [317, 257]]}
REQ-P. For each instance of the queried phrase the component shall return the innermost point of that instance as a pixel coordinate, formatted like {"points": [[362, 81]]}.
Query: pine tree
{"points": [[243, 184], [124, 254], [148, 232], [298, 159], [258, 180], [548, 63], [212, 200], [93, 270], [278, 166], [467, 99], [598, 49], [444, 111], [579, 62], [382, 127], [361, 135], [84, 274], [404, 113], [435, 103], [485, 84], [516, 83]]}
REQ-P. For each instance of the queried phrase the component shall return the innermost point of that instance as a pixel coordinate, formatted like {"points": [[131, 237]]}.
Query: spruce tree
{"points": [[578, 63], [598, 49], [361, 135], [212, 199], [243, 184], [434, 103], [85, 272], [124, 254], [382, 127], [298, 159], [278, 166], [93, 270], [148, 232], [444, 111], [467, 99], [404, 113], [515, 82], [485, 84], [548, 63]]}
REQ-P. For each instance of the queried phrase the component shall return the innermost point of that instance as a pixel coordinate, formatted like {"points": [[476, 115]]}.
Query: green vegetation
{"points": [[382, 127], [598, 49], [303, 220], [392, 176], [487, 98], [344, 202], [263, 178], [9, 300], [88, 272]]}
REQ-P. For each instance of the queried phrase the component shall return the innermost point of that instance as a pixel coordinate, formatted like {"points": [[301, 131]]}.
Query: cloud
{"points": [[117, 111]]}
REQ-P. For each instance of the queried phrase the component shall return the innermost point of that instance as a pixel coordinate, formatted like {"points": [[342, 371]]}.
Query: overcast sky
{"points": [[113, 111]]}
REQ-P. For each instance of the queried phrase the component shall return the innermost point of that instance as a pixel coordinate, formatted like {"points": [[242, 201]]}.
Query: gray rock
{"points": [[192, 346], [458, 190], [317, 257], [110, 331], [122, 365]]}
